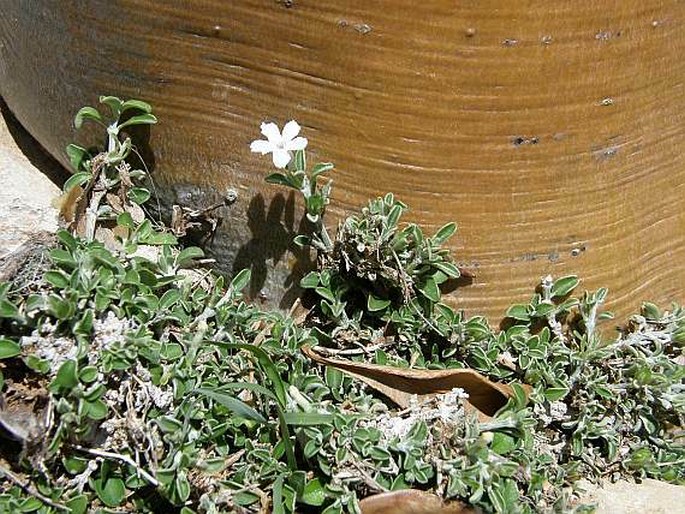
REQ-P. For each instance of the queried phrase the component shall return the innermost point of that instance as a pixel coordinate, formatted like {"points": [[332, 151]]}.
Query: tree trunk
{"points": [[552, 132]]}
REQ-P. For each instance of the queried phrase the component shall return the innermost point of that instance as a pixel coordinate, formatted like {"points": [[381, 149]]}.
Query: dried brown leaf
{"points": [[400, 385], [412, 502]]}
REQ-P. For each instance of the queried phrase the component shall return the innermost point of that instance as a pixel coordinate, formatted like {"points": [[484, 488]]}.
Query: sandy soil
{"points": [[27, 192]]}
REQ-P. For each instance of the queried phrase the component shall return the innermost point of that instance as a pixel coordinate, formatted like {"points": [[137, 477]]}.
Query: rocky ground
{"points": [[28, 200], [28, 177]]}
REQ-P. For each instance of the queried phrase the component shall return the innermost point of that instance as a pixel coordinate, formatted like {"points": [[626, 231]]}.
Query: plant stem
{"points": [[323, 233], [122, 458], [30, 490]]}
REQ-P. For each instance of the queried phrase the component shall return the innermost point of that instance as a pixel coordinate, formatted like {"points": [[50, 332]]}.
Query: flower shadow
{"points": [[270, 250]]}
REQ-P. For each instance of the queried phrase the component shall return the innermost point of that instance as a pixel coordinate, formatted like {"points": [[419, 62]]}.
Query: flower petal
{"points": [[299, 143], [281, 158], [270, 130], [291, 129], [261, 146]]}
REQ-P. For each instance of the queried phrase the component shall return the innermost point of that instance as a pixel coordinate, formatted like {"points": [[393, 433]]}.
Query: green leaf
{"points": [[66, 378], [88, 113], [267, 365], [241, 280], [310, 280], [280, 180], [139, 195], [125, 220], [651, 311], [95, 393], [9, 348], [168, 424], [497, 500], [444, 233], [544, 309], [30, 504], [159, 238], [311, 448], [448, 268], [113, 103], [278, 507], [394, 215], [280, 390], [326, 293], [136, 104], [555, 393], [77, 504], [334, 380], [77, 155], [301, 241], [640, 458], [171, 351], [96, 410], [78, 179], [182, 486], [238, 407], [88, 374], [315, 204], [61, 256], [679, 336], [320, 168], [8, 309], [245, 498], [430, 290], [37, 364], [518, 312], [165, 476], [502, 443], [67, 239], [297, 480], [299, 161], [649, 424], [303, 419], [57, 279], [141, 119], [314, 493], [188, 254], [112, 492], [105, 257], [510, 492], [519, 398], [374, 304], [169, 299], [564, 286]]}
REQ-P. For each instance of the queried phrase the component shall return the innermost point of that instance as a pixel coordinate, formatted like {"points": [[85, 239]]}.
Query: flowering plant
{"points": [[288, 153], [279, 144]]}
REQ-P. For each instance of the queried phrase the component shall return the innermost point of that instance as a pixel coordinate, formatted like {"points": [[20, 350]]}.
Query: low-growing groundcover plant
{"points": [[135, 381]]}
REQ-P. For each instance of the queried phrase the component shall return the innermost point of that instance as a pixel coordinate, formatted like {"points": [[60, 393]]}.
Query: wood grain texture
{"points": [[552, 132]]}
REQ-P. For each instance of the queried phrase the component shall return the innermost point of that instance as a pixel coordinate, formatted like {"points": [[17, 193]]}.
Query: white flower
{"points": [[279, 144]]}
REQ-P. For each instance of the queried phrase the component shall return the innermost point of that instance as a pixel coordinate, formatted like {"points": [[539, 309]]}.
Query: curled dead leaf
{"points": [[68, 205], [400, 385]]}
